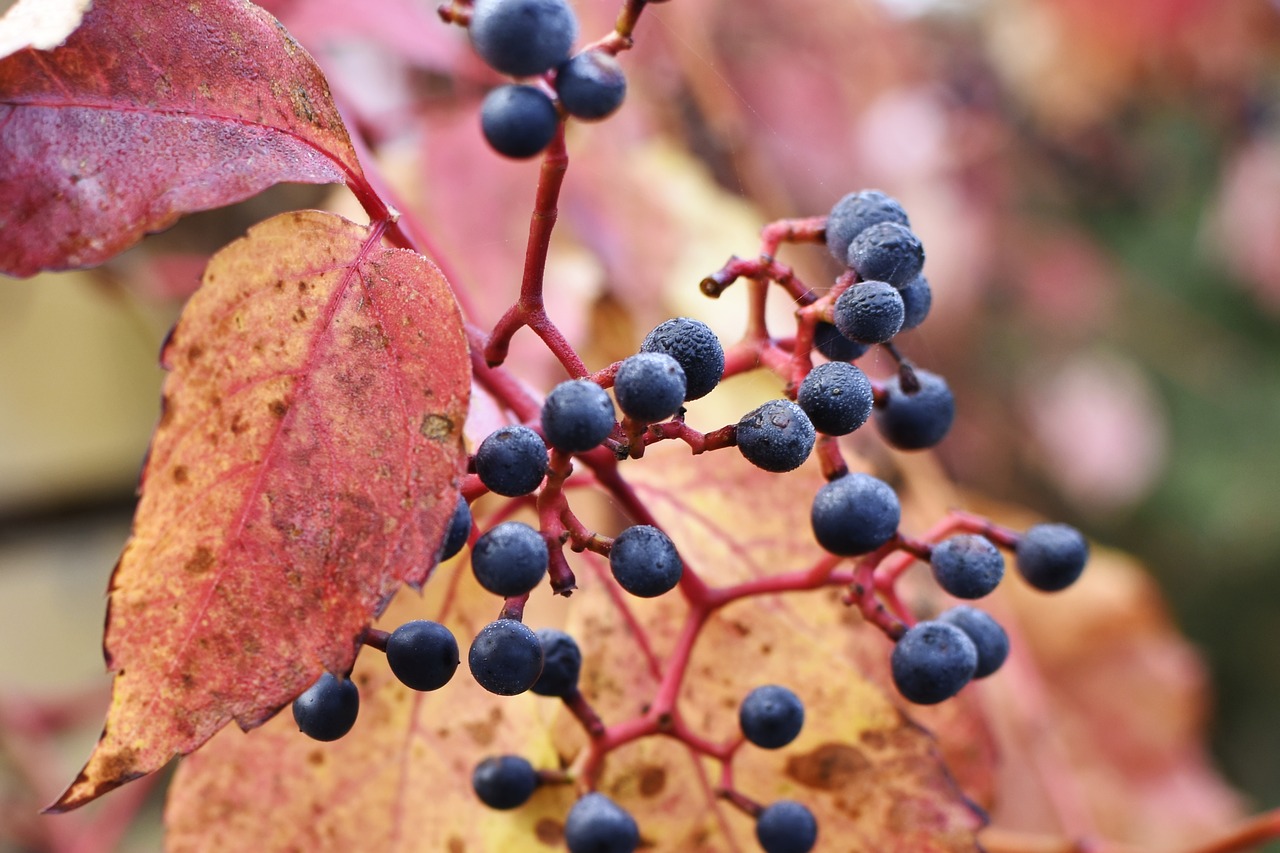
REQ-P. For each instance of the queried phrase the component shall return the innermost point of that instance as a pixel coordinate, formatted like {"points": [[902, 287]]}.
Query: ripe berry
{"points": [[771, 716], [886, 251], [596, 824], [644, 561], [855, 514], [870, 312], [504, 781], [835, 346], [786, 827], [591, 85], [837, 397], [512, 461], [523, 37], [915, 420], [932, 662], [1051, 556], [856, 212], [518, 121], [561, 664], [422, 654], [695, 347], [577, 415], [967, 565], [459, 530], [505, 657], [650, 386], [510, 559], [777, 436], [988, 637], [327, 709], [917, 299]]}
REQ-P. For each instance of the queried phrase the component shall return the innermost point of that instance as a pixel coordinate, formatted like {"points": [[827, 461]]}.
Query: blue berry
{"points": [[523, 37], [932, 662], [915, 419], [1051, 556], [591, 85], [327, 709], [504, 781], [505, 657], [835, 346], [917, 299], [777, 436], [988, 637], [870, 312], [512, 461], [459, 530], [650, 386], [786, 827], [967, 565], [644, 561], [855, 514], [695, 347], [518, 121], [577, 415], [771, 716], [561, 664], [837, 397], [596, 824], [510, 559], [887, 251], [855, 213], [422, 654]]}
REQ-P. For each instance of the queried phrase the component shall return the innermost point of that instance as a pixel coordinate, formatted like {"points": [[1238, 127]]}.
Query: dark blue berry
{"points": [[917, 299], [596, 824], [591, 85], [887, 251], [422, 654], [777, 436], [855, 213], [512, 461], [837, 397], [644, 561], [650, 386], [577, 415], [510, 559], [504, 781], [459, 530], [786, 827], [518, 121], [505, 657], [561, 664], [870, 312], [967, 565], [988, 637], [835, 346], [695, 347], [855, 514], [771, 716], [327, 709], [919, 418], [523, 37], [1051, 556], [932, 662]]}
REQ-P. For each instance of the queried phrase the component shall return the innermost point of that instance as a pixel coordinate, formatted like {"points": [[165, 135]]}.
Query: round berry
{"points": [[561, 664], [932, 662], [1051, 556], [967, 565], [855, 514], [777, 436], [512, 461], [837, 397], [518, 121], [577, 415], [523, 37], [786, 827], [644, 561], [596, 824], [591, 85], [886, 251], [327, 709], [695, 347], [771, 716], [915, 419], [505, 657], [835, 346], [917, 299], [422, 654], [988, 637], [650, 386], [459, 530], [510, 559], [856, 212], [870, 312], [504, 781]]}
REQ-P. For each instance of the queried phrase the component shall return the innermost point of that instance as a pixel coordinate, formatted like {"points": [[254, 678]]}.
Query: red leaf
{"points": [[305, 465], [149, 111]]}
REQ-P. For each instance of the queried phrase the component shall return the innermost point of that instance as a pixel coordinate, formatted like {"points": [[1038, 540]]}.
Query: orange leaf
{"points": [[305, 465]]}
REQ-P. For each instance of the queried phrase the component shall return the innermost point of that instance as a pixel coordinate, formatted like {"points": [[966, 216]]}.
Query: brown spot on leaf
{"points": [[166, 411], [194, 352], [278, 408], [238, 425], [180, 475], [437, 427], [457, 845], [484, 731], [300, 316], [549, 831], [200, 562], [829, 767], [316, 757], [652, 780]]}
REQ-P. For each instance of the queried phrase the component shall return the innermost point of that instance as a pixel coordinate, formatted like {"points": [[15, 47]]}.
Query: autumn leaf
{"points": [[150, 111], [305, 465]]}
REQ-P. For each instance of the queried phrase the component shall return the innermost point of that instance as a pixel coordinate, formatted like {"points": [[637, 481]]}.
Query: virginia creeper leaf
{"points": [[149, 111], [305, 465]]}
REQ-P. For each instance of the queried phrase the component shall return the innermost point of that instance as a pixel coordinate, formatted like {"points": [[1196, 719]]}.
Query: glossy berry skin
{"points": [[505, 657], [327, 709], [561, 664], [967, 565], [1051, 556], [423, 654], [917, 299], [577, 415], [459, 530], [855, 514], [988, 637], [932, 662], [886, 251], [870, 312], [835, 346], [504, 781], [771, 716], [512, 461], [919, 419], [855, 213], [777, 436], [510, 559], [837, 397], [518, 121], [650, 386], [591, 85], [786, 827], [644, 561], [523, 37], [695, 347], [596, 824]]}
